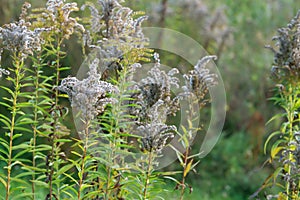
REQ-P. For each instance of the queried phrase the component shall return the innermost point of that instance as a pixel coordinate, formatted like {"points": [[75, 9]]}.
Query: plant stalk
{"points": [[86, 131], [18, 64], [148, 173], [186, 154]]}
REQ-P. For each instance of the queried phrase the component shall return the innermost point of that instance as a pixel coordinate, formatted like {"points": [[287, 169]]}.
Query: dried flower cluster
{"points": [[196, 9], [18, 37], [286, 148], [153, 100], [212, 26], [120, 31], [155, 90], [200, 79], [3, 71], [290, 157], [217, 29], [116, 21], [155, 132], [156, 136], [56, 16], [152, 96], [98, 19], [90, 95], [287, 51]]}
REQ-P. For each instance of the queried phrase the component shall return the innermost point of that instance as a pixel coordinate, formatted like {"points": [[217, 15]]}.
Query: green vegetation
{"points": [[101, 134]]}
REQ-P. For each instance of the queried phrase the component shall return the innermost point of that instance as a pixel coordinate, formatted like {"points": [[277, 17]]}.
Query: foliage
{"points": [[116, 117], [284, 149]]}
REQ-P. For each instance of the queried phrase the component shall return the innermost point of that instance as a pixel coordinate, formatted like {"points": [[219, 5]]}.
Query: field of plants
{"points": [[162, 99]]}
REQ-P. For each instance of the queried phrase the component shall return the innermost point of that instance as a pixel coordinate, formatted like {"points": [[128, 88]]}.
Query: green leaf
{"points": [[275, 117], [6, 123], [63, 140], [72, 178], [64, 169], [4, 143], [5, 118], [20, 153], [40, 183], [276, 148], [5, 105], [17, 136], [3, 182], [64, 68], [188, 168], [276, 173], [269, 138], [22, 129], [8, 90], [21, 146], [173, 179]]}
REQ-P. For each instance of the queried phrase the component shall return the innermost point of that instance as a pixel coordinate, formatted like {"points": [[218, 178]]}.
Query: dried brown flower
{"points": [[155, 136], [200, 79], [89, 96], [56, 16], [18, 36], [115, 30], [286, 65], [153, 92]]}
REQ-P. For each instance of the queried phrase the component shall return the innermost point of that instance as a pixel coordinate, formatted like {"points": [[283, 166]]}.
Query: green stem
{"points": [[37, 65], [55, 150], [114, 131], [111, 156], [83, 159], [186, 154], [18, 70], [290, 112], [148, 173], [51, 171], [36, 96]]}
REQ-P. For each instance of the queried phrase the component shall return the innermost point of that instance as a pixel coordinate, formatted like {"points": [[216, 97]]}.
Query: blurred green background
{"points": [[236, 31]]}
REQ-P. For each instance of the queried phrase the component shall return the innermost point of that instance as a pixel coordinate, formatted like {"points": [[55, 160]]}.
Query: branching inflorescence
{"points": [[287, 52], [112, 106], [114, 32], [154, 91], [57, 16], [285, 73], [199, 80], [3, 71], [18, 37], [90, 95]]}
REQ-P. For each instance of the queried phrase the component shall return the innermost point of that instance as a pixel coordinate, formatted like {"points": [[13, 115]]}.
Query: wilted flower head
{"points": [[89, 96], [56, 16], [53, 5], [216, 28], [155, 136], [114, 20], [116, 29], [199, 80], [287, 51], [196, 8], [17, 37], [155, 91], [3, 71]]}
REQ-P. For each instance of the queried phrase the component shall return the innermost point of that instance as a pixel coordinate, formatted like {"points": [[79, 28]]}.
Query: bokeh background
{"points": [[236, 31]]}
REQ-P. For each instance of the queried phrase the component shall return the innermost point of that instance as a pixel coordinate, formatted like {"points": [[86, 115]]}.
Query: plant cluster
{"points": [[122, 123], [210, 26], [284, 153]]}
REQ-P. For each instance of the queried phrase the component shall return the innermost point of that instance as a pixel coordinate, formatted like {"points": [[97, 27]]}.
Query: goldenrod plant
{"points": [[284, 143], [122, 124]]}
